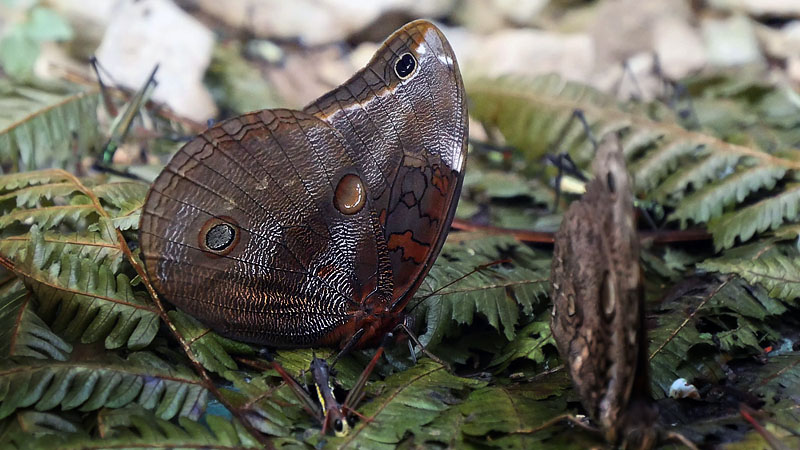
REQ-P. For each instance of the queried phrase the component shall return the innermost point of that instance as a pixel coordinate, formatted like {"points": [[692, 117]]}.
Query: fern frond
{"points": [[734, 318], [706, 179], [108, 382], [512, 409], [124, 203], [409, 400], [74, 268], [694, 177], [777, 383], [211, 349], [15, 181], [100, 246], [128, 427], [528, 343], [773, 265], [709, 202], [84, 299], [22, 332], [134, 425], [124, 200], [42, 128], [454, 291], [766, 214]]}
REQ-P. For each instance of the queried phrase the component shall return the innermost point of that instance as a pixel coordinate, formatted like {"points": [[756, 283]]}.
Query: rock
{"points": [[523, 51], [89, 18], [779, 8], [621, 29], [144, 33], [486, 16], [731, 41], [783, 44], [315, 22], [679, 47]]}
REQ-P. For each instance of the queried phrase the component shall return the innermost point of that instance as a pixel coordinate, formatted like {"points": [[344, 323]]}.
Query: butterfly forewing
{"points": [[405, 113]]}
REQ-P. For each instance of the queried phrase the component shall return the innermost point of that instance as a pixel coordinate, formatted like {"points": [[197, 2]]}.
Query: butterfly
{"points": [[598, 305], [305, 228]]}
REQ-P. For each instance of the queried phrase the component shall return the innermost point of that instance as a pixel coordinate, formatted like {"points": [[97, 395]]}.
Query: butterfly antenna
{"points": [[109, 105], [122, 125]]}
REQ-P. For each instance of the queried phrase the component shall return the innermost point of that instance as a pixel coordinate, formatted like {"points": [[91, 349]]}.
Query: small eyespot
{"points": [[350, 195], [405, 66], [218, 236], [351, 420]]}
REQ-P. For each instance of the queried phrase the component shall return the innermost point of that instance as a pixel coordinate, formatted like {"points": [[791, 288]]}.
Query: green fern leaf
{"points": [[86, 300], [74, 267], [736, 316], [409, 400], [136, 426], [777, 383], [695, 176], [109, 382], [708, 203], [125, 201], [211, 349], [43, 127], [667, 161], [15, 181], [766, 214], [99, 245], [454, 292], [512, 409], [528, 343], [22, 332], [128, 427], [775, 266]]}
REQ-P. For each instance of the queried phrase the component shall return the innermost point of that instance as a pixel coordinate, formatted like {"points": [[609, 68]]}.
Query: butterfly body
{"points": [[304, 228]]}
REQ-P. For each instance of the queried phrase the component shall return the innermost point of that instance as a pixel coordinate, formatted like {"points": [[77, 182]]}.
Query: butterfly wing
{"points": [[598, 306], [405, 115], [257, 227]]}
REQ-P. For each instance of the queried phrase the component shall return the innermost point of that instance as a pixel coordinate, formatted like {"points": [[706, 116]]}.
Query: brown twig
{"points": [[545, 237]]}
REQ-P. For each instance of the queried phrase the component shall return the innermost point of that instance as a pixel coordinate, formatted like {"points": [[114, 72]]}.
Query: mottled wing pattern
{"points": [[409, 131], [289, 264], [597, 303]]}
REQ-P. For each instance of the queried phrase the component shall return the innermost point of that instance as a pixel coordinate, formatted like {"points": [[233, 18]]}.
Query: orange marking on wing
{"points": [[441, 182], [411, 249], [382, 218]]}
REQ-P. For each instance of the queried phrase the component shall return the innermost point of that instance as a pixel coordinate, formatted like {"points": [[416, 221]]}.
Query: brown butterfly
{"points": [[598, 305], [315, 227]]}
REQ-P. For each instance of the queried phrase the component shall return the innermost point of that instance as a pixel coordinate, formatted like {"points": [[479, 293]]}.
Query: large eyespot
{"points": [[405, 66], [338, 426], [219, 235], [350, 195]]}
